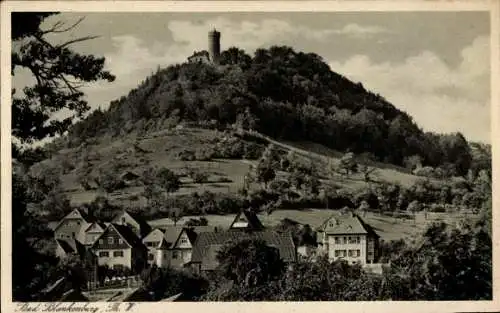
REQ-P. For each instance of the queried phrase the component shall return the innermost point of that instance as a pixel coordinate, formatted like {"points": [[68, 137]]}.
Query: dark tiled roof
{"points": [[208, 244], [145, 227], [100, 224], [72, 246], [128, 235], [347, 223], [170, 235]]}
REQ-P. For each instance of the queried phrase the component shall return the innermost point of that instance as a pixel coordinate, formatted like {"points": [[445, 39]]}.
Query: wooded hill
{"points": [[282, 93]]}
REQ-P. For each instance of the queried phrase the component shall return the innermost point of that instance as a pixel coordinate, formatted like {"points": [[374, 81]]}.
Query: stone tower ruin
{"points": [[214, 45]]}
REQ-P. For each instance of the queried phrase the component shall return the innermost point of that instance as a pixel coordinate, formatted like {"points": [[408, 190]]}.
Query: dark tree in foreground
{"points": [[249, 270], [448, 263], [59, 73], [30, 269]]}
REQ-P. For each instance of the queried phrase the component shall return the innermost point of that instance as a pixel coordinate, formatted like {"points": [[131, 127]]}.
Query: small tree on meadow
{"points": [[348, 164]]}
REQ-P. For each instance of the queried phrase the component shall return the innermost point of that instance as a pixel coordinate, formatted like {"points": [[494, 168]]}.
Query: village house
{"points": [[93, 232], [172, 246], [245, 225], [119, 247], [73, 226], [207, 245], [347, 237]]}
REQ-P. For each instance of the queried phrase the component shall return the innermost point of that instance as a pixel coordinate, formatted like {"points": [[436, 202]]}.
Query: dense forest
{"points": [[284, 94]]}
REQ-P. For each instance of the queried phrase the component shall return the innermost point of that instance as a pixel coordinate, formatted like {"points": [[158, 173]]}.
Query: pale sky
{"points": [[435, 66]]}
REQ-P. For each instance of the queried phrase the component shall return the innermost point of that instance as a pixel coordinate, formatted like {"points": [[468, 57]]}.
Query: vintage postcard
{"points": [[242, 156]]}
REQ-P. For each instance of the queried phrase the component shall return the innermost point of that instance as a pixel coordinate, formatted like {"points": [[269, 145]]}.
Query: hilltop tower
{"points": [[214, 45]]}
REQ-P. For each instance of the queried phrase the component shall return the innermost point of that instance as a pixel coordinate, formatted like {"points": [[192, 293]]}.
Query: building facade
{"points": [[347, 237], [172, 246], [118, 247], [72, 226]]}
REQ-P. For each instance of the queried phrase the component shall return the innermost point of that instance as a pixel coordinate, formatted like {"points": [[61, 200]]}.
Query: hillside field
{"points": [[224, 175]]}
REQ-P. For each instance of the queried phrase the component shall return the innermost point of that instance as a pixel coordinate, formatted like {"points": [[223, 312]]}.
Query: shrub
{"points": [[200, 177], [204, 154], [186, 155]]}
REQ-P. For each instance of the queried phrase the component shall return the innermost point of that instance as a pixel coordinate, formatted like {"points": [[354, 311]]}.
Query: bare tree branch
{"points": [[56, 28], [77, 40]]}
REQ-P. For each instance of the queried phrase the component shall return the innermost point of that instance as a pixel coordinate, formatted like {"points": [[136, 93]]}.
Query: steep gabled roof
{"points": [[81, 214], [207, 245], [125, 233], [347, 223], [171, 234], [144, 226], [101, 225], [128, 235], [250, 217], [72, 246]]}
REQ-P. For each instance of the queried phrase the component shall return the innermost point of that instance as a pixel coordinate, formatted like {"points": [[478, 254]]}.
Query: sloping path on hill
{"points": [[310, 154], [385, 172]]}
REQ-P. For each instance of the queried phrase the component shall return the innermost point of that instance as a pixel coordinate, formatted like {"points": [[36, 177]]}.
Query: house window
{"points": [[101, 241], [104, 254], [345, 240], [358, 253], [164, 254], [350, 253], [337, 241], [118, 253], [175, 254], [120, 241], [110, 240], [151, 256], [123, 220], [183, 240], [337, 253], [358, 240], [73, 234]]}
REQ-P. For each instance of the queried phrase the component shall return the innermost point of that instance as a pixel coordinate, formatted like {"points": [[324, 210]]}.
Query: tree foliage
{"points": [[59, 73]]}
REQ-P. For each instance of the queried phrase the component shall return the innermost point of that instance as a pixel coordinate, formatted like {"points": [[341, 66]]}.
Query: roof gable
{"points": [[246, 220], [153, 234], [123, 232], [187, 233], [145, 228], [76, 214], [348, 223], [95, 227]]}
